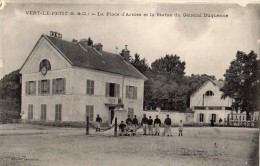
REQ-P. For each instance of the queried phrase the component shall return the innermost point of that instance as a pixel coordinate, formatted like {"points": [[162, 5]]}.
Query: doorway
{"points": [[112, 114]]}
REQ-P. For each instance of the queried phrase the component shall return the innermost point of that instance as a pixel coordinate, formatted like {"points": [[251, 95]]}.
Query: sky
{"points": [[206, 44]]}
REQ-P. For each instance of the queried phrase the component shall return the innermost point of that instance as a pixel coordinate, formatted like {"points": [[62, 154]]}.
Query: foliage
{"points": [[10, 95], [241, 81]]}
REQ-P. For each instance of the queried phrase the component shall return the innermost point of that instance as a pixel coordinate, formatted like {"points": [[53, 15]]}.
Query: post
{"points": [[115, 133], [87, 126]]}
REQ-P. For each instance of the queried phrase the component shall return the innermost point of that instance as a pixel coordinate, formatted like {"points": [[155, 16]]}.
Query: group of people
{"points": [[150, 126]]}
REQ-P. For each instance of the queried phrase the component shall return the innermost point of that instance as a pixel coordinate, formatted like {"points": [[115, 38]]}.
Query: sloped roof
{"points": [[81, 55], [219, 84]]}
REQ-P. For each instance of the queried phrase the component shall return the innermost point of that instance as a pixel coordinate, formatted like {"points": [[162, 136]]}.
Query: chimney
{"points": [[56, 34], [98, 46], [126, 54]]}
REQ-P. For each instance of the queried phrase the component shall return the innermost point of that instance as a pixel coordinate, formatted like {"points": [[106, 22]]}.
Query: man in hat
{"points": [[98, 122], [135, 123], [168, 123], [144, 123], [150, 125], [157, 124]]}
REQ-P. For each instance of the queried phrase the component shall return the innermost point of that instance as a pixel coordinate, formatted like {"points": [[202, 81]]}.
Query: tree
{"points": [[10, 96], [139, 64], [241, 82]]}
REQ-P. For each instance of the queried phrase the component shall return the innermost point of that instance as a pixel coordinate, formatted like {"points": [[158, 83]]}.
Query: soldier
{"points": [[144, 123], [135, 123], [157, 124], [98, 122], [150, 125], [168, 123], [128, 123], [122, 128]]}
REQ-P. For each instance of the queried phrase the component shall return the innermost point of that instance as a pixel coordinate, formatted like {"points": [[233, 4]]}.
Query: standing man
{"points": [[144, 123], [150, 125], [168, 123], [157, 124], [135, 123], [128, 123], [98, 122]]}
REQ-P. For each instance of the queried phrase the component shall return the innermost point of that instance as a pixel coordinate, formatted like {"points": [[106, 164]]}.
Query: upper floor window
{"points": [[44, 87], [46, 63], [30, 88], [58, 86], [131, 92], [112, 89], [209, 93], [90, 87]]}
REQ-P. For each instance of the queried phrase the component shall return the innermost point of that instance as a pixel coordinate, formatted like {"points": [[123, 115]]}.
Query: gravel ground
{"points": [[25, 145]]}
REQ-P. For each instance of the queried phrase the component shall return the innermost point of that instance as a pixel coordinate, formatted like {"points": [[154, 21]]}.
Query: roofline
{"points": [[209, 79], [43, 35]]}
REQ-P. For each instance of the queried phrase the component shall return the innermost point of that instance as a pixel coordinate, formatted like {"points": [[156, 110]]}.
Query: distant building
{"points": [[207, 104], [70, 80]]}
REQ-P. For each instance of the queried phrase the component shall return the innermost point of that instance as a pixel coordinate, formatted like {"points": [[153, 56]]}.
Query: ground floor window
{"points": [[201, 117], [90, 112], [43, 112], [30, 111], [131, 112], [58, 112]]}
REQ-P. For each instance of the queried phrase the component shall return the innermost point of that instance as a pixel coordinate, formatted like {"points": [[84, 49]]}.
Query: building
{"points": [[70, 80], [207, 104]]}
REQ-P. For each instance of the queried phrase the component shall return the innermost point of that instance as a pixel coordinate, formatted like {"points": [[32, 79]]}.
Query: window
{"points": [[30, 88], [209, 93], [213, 117], [43, 112], [44, 87], [30, 111], [201, 117], [131, 92], [58, 112], [90, 87], [112, 90], [131, 112], [58, 86], [46, 63], [90, 112]]}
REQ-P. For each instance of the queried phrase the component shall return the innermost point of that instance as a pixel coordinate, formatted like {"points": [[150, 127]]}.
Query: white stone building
{"points": [[207, 104], [70, 80]]}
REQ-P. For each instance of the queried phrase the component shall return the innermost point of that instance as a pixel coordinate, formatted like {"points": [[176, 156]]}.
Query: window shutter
{"points": [[127, 91], [56, 112], [117, 90], [60, 112], [39, 87], [27, 87], [210, 117], [93, 87], [107, 89], [53, 86], [34, 87], [87, 87], [91, 113], [135, 92], [63, 85], [48, 86], [198, 117]]}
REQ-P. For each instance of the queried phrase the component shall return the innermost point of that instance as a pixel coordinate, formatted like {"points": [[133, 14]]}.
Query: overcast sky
{"points": [[207, 45]]}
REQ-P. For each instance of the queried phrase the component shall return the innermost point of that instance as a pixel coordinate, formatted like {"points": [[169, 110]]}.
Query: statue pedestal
{"points": [[120, 114]]}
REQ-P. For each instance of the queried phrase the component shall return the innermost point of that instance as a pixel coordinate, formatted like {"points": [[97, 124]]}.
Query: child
{"points": [[122, 128], [180, 128]]}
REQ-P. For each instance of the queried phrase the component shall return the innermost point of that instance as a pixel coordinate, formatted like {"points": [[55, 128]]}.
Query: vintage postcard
{"points": [[129, 83]]}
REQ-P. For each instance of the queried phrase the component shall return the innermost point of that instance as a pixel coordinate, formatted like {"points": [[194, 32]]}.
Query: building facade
{"points": [[70, 80], [208, 105]]}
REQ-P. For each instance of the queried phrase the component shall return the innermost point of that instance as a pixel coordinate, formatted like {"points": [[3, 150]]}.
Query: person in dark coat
{"points": [[150, 125], [122, 127], [135, 123], [167, 123], [98, 123], [157, 124], [212, 122], [144, 123]]}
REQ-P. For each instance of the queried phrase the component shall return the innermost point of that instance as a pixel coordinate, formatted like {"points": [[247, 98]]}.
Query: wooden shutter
{"points": [[117, 90], [60, 112], [63, 85], [91, 113], [107, 89], [92, 87], [48, 86], [54, 86], [34, 87], [87, 87], [127, 91], [39, 87], [135, 92], [27, 87]]}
